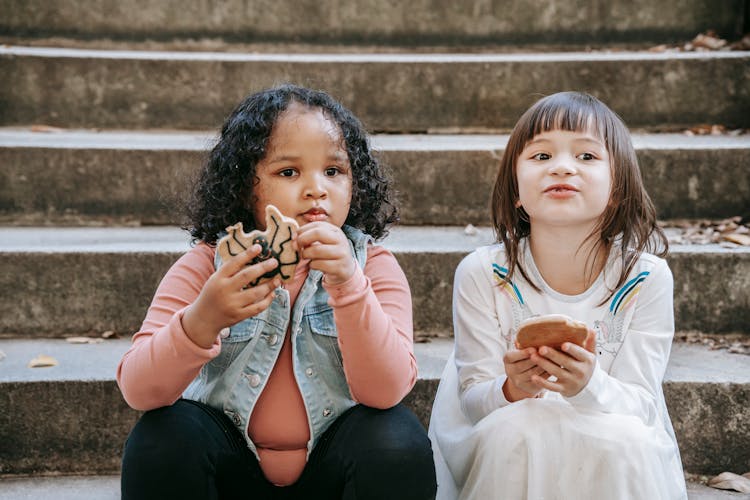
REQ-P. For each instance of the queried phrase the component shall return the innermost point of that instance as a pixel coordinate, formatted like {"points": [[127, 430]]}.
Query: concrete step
{"points": [[389, 92], [413, 23], [67, 281], [71, 418], [103, 177], [107, 487]]}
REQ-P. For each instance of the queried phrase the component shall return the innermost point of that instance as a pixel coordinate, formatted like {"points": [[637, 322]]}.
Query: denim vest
{"points": [[233, 381]]}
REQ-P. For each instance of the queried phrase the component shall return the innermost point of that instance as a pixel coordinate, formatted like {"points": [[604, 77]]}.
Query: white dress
{"points": [[613, 440]]}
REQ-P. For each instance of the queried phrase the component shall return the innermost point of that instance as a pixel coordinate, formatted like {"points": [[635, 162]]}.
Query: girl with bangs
{"points": [[577, 235]]}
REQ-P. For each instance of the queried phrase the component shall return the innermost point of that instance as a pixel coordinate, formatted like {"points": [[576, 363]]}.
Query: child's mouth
{"points": [[315, 214], [560, 191]]}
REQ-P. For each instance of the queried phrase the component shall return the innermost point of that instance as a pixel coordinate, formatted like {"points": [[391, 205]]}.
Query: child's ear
{"points": [[518, 204]]}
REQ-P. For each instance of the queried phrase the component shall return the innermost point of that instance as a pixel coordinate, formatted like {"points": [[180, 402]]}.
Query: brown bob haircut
{"points": [[630, 216]]}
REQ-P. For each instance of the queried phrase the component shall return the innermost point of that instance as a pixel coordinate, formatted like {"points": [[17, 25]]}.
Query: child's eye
{"points": [[541, 156], [586, 156], [287, 172], [332, 171]]}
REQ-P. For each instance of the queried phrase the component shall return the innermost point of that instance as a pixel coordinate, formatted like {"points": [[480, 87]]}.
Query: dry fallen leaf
{"points": [[738, 348], [743, 44], [730, 481], [709, 41], [45, 129], [42, 361], [740, 239], [83, 340]]}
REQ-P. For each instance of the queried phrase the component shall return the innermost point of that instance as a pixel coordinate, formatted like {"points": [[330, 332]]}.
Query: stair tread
{"points": [[97, 362], [107, 487], [401, 239], [201, 140], [392, 57]]}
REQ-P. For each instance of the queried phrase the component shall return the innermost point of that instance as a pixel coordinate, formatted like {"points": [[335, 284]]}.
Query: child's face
{"points": [[306, 172], [564, 178]]}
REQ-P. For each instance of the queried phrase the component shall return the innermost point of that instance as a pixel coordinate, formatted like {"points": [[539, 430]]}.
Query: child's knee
{"points": [[394, 458], [394, 429], [172, 434]]}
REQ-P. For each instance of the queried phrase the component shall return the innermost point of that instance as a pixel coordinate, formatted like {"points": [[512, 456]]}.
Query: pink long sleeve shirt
{"points": [[373, 316]]}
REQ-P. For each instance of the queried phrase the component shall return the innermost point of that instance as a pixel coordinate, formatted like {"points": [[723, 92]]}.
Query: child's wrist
{"points": [[339, 279], [512, 393], [195, 329]]}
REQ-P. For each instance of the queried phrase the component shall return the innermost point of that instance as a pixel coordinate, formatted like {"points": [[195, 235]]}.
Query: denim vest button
{"points": [[327, 412], [236, 420], [309, 372], [254, 380], [273, 339], [224, 333]]}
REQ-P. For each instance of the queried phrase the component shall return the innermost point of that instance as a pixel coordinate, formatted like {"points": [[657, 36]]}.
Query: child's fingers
{"points": [[322, 252], [514, 356], [545, 383], [322, 232], [576, 351], [257, 307], [258, 292], [251, 273], [551, 368], [239, 261], [553, 355], [534, 370], [524, 367]]}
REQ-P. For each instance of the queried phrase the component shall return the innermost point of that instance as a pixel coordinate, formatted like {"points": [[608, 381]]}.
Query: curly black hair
{"points": [[223, 191]]}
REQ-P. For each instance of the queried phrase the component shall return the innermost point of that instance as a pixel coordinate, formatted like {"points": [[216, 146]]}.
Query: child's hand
{"points": [[573, 366], [521, 369], [226, 299], [328, 250]]}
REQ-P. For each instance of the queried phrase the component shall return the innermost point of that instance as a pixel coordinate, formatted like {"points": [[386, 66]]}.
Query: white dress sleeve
{"points": [[479, 344], [633, 384]]}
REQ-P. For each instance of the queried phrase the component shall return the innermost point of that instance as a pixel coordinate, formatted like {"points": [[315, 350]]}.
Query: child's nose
{"points": [[562, 166], [315, 187]]}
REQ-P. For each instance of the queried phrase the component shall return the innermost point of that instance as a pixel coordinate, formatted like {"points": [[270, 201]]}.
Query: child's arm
{"points": [[636, 375], [479, 346], [373, 316], [164, 359]]}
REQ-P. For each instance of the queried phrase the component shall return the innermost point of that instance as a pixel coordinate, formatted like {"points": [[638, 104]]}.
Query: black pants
{"points": [[192, 451]]}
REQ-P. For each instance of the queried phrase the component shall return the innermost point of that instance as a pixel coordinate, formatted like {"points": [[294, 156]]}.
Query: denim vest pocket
{"points": [[244, 330], [231, 345], [324, 334]]}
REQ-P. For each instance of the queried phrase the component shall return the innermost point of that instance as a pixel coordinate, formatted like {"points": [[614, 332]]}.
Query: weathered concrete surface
{"points": [[93, 178], [75, 427], [723, 307], [71, 418], [104, 487], [107, 487], [720, 441], [389, 92], [416, 22], [68, 281]]}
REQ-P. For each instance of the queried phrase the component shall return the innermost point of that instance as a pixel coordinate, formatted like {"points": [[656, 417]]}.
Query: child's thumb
{"points": [[590, 343]]}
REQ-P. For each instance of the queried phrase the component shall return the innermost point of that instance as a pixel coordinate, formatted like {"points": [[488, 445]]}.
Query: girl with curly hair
{"points": [[281, 391]]}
